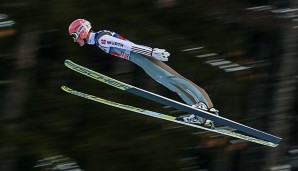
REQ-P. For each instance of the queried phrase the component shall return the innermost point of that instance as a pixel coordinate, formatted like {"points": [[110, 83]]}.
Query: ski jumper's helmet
{"points": [[79, 28]]}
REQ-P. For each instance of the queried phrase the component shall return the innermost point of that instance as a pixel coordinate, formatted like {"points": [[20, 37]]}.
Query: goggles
{"points": [[75, 36]]}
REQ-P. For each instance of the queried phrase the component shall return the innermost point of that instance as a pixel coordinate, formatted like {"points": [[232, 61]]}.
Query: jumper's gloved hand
{"points": [[160, 54]]}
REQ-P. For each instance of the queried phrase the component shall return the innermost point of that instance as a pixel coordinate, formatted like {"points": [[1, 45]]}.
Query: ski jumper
{"points": [[116, 45]]}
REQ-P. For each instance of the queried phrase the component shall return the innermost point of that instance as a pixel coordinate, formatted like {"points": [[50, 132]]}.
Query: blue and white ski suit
{"points": [[116, 45]]}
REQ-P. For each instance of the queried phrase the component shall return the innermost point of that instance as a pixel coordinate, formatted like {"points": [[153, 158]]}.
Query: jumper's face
{"points": [[80, 41]]}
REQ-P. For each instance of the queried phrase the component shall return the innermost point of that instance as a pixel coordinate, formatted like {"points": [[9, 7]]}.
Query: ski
{"points": [[166, 117], [169, 102]]}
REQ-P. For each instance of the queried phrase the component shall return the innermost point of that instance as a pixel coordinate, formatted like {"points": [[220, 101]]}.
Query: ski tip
{"points": [[67, 61], [65, 88]]}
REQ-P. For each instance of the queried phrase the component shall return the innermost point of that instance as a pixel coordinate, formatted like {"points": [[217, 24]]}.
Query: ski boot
{"points": [[190, 119], [209, 123], [198, 120]]}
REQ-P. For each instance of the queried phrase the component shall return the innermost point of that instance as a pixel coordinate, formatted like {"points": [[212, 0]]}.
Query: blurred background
{"points": [[242, 52]]}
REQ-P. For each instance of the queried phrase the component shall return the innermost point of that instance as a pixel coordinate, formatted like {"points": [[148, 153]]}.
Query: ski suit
{"points": [[116, 45]]}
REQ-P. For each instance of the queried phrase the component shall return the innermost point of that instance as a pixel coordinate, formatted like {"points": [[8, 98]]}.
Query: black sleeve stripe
{"points": [[141, 51]]}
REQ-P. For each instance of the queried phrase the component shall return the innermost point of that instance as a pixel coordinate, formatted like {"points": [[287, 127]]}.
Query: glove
{"points": [[160, 54]]}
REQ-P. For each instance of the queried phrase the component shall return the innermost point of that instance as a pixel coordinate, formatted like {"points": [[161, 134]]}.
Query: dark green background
{"points": [[39, 120]]}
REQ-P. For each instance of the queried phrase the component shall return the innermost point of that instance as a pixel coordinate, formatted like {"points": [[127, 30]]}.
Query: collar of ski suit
{"points": [[91, 39]]}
